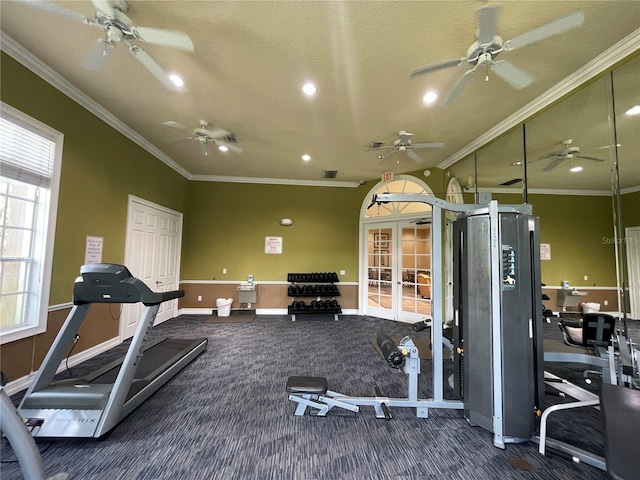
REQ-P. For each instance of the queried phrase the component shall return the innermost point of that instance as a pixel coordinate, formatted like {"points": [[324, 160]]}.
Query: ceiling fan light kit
{"points": [[223, 139], [119, 28], [567, 153], [404, 144], [482, 53]]}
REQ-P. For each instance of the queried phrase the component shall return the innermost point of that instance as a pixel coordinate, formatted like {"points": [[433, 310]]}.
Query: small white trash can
{"points": [[224, 306]]}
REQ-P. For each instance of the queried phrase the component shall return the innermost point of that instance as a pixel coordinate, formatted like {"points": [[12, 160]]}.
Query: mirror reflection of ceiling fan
{"points": [[482, 53], [403, 144], [567, 153], [118, 28], [223, 139]]}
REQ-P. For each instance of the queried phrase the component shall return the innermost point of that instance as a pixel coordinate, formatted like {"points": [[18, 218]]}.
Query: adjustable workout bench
{"points": [[314, 392]]}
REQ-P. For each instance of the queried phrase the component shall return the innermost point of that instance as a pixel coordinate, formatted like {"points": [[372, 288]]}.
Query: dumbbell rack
{"points": [[318, 285]]}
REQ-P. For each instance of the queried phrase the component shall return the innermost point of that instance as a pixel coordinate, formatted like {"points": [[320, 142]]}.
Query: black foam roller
{"points": [[419, 326], [390, 351]]}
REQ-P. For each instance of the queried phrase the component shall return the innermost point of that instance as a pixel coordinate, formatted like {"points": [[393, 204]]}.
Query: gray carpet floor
{"points": [[227, 416]]}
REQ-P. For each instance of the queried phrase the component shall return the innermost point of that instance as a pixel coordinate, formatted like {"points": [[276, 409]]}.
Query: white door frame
{"points": [[130, 253], [632, 244]]}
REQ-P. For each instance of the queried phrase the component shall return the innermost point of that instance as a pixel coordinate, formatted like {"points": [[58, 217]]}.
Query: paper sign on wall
{"points": [[545, 251], [273, 245], [93, 249]]}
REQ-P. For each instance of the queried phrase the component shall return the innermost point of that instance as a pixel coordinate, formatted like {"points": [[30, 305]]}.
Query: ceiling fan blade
{"points": [[428, 145], [514, 76], [98, 55], [65, 12], [156, 70], [487, 23], [231, 146], [104, 6], [165, 38], [414, 156], [176, 125], [458, 87], [589, 158], [556, 27], [553, 164], [438, 66]]}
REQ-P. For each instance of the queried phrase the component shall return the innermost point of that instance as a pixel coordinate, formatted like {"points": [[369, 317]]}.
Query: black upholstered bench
{"points": [[314, 392]]}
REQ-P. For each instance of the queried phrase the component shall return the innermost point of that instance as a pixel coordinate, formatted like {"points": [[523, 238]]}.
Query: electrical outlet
{"points": [[606, 302], [199, 298], [586, 277], [342, 272], [224, 271]]}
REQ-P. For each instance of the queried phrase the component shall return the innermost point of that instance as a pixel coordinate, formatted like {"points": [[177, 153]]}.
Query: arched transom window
{"points": [[400, 184]]}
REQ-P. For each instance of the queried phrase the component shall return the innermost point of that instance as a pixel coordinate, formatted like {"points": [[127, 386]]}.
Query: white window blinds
{"points": [[24, 155]]}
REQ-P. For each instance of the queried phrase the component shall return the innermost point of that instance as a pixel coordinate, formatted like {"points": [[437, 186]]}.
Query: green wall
{"points": [[630, 204], [226, 225], [100, 168]]}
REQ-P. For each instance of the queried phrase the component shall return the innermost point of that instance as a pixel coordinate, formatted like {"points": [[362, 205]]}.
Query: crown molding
{"points": [[549, 191], [274, 181], [595, 67], [44, 71], [635, 189]]}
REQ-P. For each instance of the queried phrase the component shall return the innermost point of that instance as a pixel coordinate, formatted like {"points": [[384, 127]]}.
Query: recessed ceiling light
{"points": [[430, 97], [576, 169], [223, 148], [177, 81], [309, 89], [635, 110], [306, 157]]}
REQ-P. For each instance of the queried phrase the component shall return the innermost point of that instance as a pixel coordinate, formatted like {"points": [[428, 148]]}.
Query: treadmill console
{"points": [[111, 283]]}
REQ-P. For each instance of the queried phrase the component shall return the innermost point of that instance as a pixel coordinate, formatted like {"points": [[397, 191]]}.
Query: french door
{"points": [[398, 270]]}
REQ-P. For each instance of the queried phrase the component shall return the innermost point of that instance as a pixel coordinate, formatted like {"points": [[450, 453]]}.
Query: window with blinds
{"points": [[29, 152]]}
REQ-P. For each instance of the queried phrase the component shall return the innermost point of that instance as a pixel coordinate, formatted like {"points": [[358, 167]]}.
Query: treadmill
{"points": [[93, 405]]}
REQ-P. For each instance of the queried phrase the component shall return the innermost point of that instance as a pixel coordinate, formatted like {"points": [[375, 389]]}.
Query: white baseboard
{"points": [[195, 311], [23, 383]]}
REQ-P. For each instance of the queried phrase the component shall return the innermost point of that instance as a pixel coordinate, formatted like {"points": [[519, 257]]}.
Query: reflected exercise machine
{"points": [[91, 406]]}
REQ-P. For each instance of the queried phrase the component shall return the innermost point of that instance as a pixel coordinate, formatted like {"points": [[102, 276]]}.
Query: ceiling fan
{"points": [[403, 144], [223, 139], [567, 153], [117, 28], [488, 45]]}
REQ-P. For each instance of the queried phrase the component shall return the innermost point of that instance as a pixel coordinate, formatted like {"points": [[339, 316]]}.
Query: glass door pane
{"points": [[380, 300], [415, 273]]}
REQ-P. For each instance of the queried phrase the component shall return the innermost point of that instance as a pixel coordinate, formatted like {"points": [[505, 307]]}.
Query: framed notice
{"points": [[273, 245], [93, 249], [545, 251]]}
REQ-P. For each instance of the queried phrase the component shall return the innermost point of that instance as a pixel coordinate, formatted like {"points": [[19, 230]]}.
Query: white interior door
{"points": [[632, 236], [152, 254]]}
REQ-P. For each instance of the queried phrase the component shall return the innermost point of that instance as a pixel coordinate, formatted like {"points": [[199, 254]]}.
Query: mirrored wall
{"points": [[578, 164]]}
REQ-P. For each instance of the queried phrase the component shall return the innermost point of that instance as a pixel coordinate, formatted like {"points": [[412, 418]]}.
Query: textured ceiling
{"points": [[251, 59]]}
